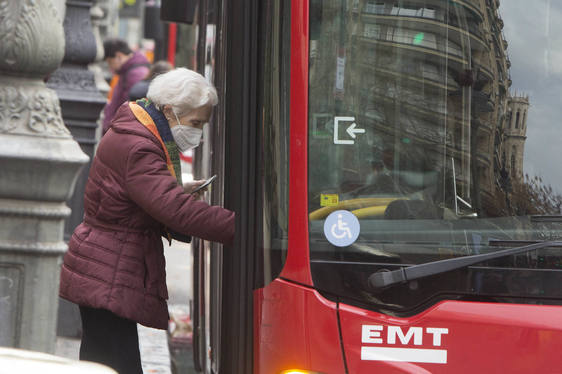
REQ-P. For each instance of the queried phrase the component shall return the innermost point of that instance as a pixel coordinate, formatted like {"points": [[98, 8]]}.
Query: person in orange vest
{"points": [[131, 67]]}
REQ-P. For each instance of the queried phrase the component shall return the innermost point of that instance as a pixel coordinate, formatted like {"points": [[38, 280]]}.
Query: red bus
{"points": [[393, 166]]}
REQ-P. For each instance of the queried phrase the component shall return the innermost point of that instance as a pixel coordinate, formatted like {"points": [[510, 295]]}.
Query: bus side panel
{"points": [[454, 337], [295, 328]]}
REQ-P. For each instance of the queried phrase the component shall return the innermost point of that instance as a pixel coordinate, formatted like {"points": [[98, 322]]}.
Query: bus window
{"points": [[275, 138], [416, 126]]}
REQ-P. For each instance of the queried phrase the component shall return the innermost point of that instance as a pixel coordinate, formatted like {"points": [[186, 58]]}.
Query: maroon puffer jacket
{"points": [[115, 259]]}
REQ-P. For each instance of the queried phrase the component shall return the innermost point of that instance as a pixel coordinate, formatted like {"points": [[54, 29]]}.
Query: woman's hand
{"points": [[190, 186]]}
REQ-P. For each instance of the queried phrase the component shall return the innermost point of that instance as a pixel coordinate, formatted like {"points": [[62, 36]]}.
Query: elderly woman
{"points": [[115, 268]]}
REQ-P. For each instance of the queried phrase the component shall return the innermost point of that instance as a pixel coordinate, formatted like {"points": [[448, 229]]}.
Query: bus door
{"points": [[242, 48], [208, 160], [233, 37]]}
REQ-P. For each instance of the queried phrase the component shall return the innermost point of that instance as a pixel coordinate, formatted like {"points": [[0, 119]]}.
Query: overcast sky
{"points": [[533, 29]]}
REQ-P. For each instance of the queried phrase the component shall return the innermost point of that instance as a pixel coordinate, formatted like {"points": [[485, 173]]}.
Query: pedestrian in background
{"points": [[114, 268], [131, 67], [139, 90]]}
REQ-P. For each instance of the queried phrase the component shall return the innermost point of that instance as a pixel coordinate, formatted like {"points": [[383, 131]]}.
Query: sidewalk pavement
{"points": [[155, 356], [153, 343]]}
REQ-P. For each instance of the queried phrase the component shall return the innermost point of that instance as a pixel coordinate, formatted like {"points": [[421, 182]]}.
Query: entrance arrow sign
{"points": [[351, 130]]}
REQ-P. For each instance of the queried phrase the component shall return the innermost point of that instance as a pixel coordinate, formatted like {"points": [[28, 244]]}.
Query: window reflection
{"points": [[442, 167], [431, 90], [275, 138]]}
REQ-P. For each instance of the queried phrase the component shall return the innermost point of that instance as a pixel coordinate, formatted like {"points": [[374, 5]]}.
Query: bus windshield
{"points": [[433, 134]]}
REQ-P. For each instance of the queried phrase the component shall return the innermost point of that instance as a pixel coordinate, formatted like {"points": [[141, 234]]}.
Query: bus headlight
{"points": [[297, 371]]}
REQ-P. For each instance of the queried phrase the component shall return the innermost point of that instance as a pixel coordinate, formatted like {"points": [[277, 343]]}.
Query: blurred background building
{"points": [[138, 22]]}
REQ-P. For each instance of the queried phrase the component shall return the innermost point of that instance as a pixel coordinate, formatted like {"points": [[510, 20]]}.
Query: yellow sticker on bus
{"points": [[329, 199]]}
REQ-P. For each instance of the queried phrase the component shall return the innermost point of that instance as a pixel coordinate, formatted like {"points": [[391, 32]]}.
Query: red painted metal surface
{"points": [[172, 35], [480, 338], [297, 329], [297, 266]]}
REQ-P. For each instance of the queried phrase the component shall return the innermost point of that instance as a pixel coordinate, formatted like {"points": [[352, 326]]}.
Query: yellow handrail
{"points": [[355, 205], [372, 211]]}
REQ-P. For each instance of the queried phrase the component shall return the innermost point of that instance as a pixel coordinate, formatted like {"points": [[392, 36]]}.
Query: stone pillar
{"points": [[96, 67], [81, 104], [39, 164]]}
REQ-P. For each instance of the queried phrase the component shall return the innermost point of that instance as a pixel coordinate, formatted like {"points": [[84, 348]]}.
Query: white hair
{"points": [[183, 89]]}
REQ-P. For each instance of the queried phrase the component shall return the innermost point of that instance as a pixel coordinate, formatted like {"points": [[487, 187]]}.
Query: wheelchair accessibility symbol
{"points": [[341, 228]]}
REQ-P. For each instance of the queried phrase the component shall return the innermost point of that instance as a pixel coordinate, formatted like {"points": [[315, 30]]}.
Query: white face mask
{"points": [[186, 137]]}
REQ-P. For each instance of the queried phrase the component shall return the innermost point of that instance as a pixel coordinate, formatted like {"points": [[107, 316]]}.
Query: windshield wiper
{"points": [[546, 218], [383, 279]]}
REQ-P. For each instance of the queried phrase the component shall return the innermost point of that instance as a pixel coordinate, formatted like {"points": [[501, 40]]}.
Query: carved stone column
{"points": [[96, 67], [81, 104], [39, 163]]}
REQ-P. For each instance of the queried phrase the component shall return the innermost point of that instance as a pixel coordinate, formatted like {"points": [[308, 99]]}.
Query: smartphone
{"points": [[207, 182]]}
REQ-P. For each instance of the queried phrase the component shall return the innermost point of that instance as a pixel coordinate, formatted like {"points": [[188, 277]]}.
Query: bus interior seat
{"points": [[412, 209]]}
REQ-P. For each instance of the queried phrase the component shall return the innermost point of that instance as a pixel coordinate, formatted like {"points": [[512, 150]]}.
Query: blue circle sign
{"points": [[341, 228]]}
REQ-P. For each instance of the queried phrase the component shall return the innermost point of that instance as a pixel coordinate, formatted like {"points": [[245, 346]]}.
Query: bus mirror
{"points": [[181, 11]]}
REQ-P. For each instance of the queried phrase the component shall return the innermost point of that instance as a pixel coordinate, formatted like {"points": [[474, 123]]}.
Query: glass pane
{"points": [[275, 137], [436, 124]]}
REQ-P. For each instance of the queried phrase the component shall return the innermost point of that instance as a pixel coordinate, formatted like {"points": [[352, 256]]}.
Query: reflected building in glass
{"points": [[514, 135], [429, 81]]}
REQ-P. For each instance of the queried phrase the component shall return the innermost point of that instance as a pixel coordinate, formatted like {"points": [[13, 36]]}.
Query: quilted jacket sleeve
{"points": [[156, 191]]}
